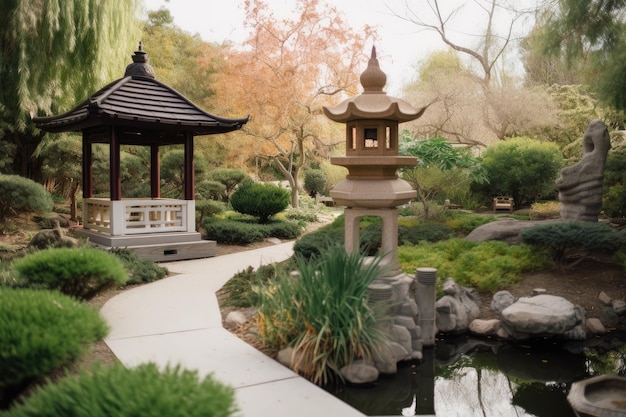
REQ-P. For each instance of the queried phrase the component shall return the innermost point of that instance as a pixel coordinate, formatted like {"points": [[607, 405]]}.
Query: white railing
{"points": [[136, 216]]}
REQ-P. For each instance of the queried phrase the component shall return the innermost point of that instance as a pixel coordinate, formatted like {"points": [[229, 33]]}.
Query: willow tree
{"points": [[289, 68], [53, 53]]}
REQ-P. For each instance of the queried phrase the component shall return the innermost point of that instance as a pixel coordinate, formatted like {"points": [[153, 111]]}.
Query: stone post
{"points": [[425, 298]]}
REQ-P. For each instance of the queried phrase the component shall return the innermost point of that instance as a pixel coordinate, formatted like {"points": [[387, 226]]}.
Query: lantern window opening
{"points": [[370, 136], [353, 139]]}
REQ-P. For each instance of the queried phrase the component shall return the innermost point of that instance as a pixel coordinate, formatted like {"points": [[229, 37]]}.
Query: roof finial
{"points": [[373, 51], [140, 66]]}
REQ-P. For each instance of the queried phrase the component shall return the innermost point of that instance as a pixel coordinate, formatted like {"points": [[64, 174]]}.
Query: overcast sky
{"points": [[400, 49]]}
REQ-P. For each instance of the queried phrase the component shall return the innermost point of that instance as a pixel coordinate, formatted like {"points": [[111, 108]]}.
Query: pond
{"points": [[464, 376]]}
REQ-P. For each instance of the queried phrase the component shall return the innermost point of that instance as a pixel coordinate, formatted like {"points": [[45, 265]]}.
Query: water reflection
{"points": [[476, 377]]}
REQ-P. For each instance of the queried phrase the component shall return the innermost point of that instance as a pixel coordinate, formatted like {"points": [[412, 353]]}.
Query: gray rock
{"points": [[359, 373], [457, 308], [580, 185], [237, 318], [606, 300], [619, 306], [53, 238], [504, 230], [405, 321], [484, 327], [399, 352], [385, 361], [501, 300], [543, 315], [285, 356], [595, 326], [608, 317], [402, 336]]}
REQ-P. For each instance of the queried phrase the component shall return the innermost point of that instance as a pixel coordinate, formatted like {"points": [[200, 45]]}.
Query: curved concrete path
{"points": [[177, 321]]}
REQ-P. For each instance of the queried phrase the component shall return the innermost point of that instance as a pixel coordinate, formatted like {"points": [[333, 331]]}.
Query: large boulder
{"points": [[542, 316], [504, 230]]}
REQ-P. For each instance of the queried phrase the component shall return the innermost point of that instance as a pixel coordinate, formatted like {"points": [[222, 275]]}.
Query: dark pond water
{"points": [[469, 377]]}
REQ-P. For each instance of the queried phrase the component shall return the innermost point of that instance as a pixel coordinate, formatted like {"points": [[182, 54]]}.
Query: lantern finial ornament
{"points": [[373, 79]]}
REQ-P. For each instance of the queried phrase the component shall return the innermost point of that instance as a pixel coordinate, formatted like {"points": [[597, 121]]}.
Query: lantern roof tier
{"points": [[373, 103]]}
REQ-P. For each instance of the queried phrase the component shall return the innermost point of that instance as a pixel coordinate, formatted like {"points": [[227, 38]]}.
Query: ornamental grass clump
{"points": [[78, 272], [324, 313], [41, 330], [142, 391]]}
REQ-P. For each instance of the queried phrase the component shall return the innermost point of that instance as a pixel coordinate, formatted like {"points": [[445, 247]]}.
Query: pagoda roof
{"points": [[142, 103]]}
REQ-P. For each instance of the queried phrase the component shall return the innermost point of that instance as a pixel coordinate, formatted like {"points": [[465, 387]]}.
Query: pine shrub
{"points": [[570, 242], [22, 195], [137, 392], [41, 330], [77, 272], [260, 200]]}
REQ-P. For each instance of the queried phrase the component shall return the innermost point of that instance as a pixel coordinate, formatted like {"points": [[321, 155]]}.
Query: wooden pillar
{"points": [[189, 177], [115, 170], [155, 172], [87, 167]]}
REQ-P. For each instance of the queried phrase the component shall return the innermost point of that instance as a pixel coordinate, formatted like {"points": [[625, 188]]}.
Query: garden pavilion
{"points": [[141, 111]]}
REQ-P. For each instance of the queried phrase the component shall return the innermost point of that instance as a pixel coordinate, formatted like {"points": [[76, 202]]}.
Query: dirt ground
{"points": [[581, 286]]}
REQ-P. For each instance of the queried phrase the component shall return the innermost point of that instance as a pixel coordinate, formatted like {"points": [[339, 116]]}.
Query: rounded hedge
{"points": [[41, 330], [260, 200], [22, 195], [78, 272], [141, 391]]}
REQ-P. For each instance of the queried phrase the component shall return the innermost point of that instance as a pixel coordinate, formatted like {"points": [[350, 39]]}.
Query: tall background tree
{"points": [[52, 54], [476, 95], [288, 69]]}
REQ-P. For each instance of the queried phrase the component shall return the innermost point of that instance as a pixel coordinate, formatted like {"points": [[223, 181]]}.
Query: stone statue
{"points": [[580, 185]]}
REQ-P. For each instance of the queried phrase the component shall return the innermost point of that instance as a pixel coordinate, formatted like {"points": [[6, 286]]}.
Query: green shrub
{"points": [[21, 195], [315, 181], [81, 272], [313, 244], [464, 223], [208, 208], [230, 178], [41, 330], [141, 391], [282, 230], [139, 270], [324, 313], [260, 200], [232, 232], [238, 291], [614, 199], [210, 190], [487, 266], [522, 168], [573, 241], [430, 232]]}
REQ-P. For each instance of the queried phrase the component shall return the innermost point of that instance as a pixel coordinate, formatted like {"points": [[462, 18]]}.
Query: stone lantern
{"points": [[372, 186]]}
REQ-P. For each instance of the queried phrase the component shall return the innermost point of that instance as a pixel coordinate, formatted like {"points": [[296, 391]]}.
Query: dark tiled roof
{"points": [[139, 103]]}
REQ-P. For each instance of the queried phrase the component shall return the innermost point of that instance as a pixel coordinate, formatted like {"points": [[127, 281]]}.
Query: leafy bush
{"points": [[260, 200], [324, 313], [141, 391], [40, 331], [139, 270], [522, 168], [315, 181], [81, 272], [22, 195], [230, 178], [232, 232], [464, 223], [614, 199], [487, 266], [573, 241], [208, 208], [311, 245], [430, 232], [282, 230]]}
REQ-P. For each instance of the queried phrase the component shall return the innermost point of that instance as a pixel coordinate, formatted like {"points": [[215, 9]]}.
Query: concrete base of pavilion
{"points": [[157, 247]]}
